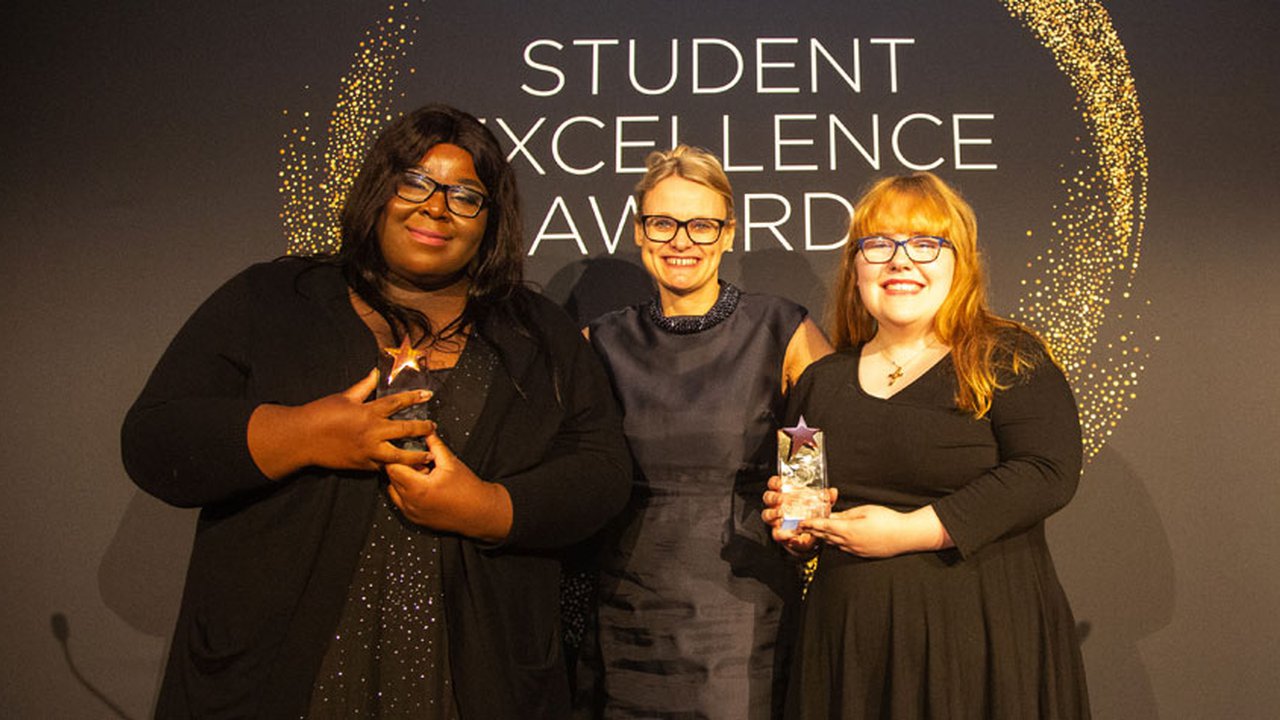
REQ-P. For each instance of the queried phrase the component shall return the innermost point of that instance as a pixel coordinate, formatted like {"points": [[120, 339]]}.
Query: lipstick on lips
{"points": [[899, 286], [426, 237]]}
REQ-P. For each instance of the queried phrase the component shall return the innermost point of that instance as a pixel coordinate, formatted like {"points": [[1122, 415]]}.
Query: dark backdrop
{"points": [[148, 156]]}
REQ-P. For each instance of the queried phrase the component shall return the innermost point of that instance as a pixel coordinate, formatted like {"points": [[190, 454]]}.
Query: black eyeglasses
{"points": [[463, 201], [663, 228], [919, 248]]}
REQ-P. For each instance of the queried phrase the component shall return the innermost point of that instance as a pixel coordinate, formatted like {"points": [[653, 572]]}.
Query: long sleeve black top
{"points": [[272, 559]]}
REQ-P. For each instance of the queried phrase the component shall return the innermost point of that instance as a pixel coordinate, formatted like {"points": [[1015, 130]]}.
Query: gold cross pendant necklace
{"points": [[898, 367]]}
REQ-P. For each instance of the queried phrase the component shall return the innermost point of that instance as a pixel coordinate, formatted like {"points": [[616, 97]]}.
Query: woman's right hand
{"points": [[340, 431], [796, 543]]}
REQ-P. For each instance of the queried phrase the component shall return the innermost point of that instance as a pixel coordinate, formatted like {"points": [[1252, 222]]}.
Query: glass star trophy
{"points": [[802, 466], [401, 369]]}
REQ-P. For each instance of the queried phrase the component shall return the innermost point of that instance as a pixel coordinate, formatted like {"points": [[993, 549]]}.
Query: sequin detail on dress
{"points": [[726, 303], [389, 656]]}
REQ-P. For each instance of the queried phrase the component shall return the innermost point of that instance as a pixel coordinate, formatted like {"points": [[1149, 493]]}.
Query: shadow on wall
{"points": [[142, 571], [1114, 559], [62, 633], [762, 270], [590, 288]]}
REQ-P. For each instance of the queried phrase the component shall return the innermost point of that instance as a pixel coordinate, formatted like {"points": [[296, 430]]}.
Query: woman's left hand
{"points": [[448, 496], [878, 532]]}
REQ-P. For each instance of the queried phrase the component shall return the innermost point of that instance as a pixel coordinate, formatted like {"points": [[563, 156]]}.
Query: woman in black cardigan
{"points": [[335, 574]]}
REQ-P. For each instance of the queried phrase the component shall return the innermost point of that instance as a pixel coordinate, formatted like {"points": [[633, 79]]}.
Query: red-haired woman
{"points": [[951, 435]]}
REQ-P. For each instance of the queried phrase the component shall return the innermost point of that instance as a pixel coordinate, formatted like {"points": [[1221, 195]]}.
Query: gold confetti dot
{"points": [[313, 202], [1094, 243], [1099, 228]]}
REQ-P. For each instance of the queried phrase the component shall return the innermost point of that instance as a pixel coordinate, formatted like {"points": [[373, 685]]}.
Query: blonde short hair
{"points": [[692, 164]]}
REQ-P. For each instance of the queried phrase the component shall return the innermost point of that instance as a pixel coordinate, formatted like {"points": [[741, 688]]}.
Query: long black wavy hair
{"points": [[497, 269]]}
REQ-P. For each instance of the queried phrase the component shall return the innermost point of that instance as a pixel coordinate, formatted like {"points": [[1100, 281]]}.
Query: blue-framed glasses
{"points": [[919, 248]]}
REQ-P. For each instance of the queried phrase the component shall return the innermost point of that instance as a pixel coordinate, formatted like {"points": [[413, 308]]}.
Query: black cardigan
{"points": [[272, 559]]}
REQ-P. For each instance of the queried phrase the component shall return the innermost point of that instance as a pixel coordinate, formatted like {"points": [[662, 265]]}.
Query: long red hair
{"points": [[982, 348]]}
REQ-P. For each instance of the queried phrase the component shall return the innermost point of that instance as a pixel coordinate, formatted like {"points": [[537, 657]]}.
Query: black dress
{"points": [[982, 630], [693, 590], [389, 655]]}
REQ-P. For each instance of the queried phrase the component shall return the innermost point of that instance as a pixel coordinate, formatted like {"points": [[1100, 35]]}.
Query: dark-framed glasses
{"points": [[463, 201], [919, 248], [663, 228]]}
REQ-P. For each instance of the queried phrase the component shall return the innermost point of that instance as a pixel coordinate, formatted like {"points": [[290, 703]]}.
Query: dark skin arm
{"points": [[339, 431], [447, 496]]}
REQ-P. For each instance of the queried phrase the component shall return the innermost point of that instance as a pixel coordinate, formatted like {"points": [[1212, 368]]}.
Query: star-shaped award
{"points": [[801, 436], [405, 356]]}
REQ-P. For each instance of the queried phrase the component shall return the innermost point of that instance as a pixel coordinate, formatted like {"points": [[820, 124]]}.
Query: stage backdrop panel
{"points": [[1120, 159]]}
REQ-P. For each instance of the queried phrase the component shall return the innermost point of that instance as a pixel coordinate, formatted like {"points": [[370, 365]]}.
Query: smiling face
{"points": [[424, 244], [945, 296], [687, 274], [903, 294]]}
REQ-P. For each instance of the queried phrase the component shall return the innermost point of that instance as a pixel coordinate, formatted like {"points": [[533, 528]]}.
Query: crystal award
{"points": [[802, 467], [399, 370]]}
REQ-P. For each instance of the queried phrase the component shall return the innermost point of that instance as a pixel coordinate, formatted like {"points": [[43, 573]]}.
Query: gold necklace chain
{"points": [[898, 367]]}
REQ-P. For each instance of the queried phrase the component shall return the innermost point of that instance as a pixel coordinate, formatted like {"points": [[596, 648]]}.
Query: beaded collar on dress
{"points": [[726, 303]]}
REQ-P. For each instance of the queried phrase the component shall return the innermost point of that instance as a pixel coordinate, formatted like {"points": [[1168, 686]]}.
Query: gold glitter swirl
{"points": [[316, 176], [1081, 299], [1080, 294]]}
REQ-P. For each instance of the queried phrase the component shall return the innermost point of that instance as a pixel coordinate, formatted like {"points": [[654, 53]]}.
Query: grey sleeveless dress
{"points": [[693, 590]]}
